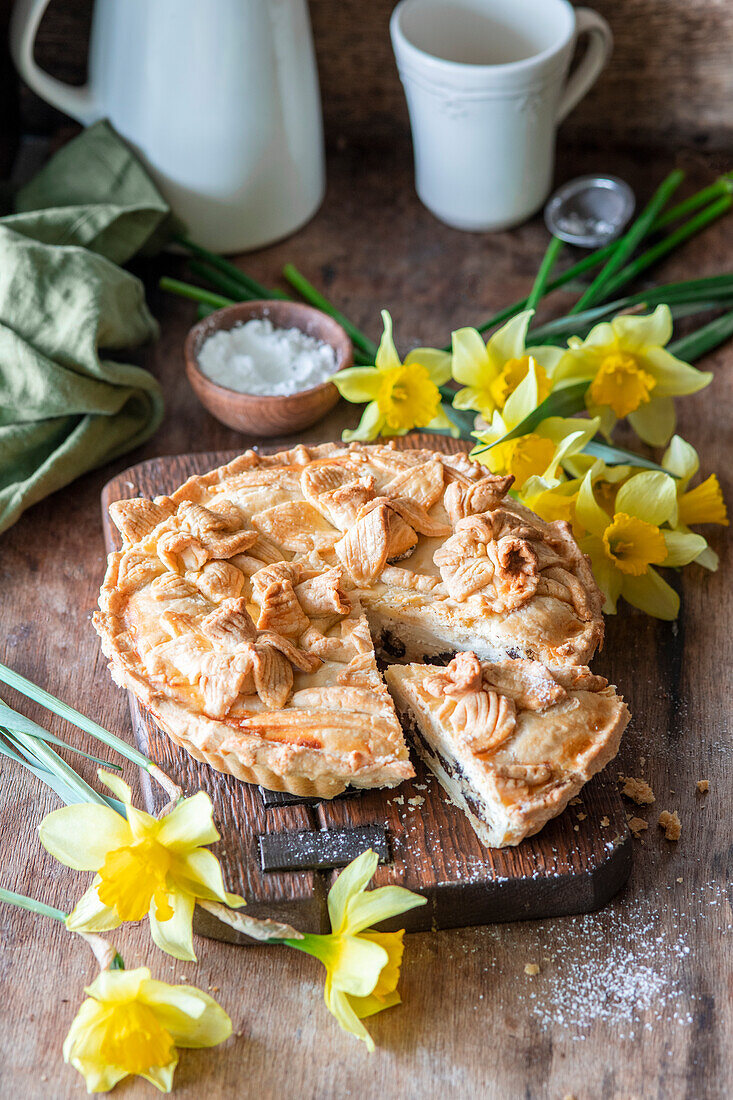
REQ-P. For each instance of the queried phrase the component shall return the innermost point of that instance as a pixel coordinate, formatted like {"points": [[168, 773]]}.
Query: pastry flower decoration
{"points": [[131, 1025], [362, 966], [400, 396], [540, 452], [626, 545], [631, 374], [490, 373], [144, 866]]}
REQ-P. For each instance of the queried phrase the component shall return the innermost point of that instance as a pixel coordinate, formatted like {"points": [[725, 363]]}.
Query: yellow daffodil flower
{"points": [[362, 966], [144, 866], [541, 452], [400, 396], [491, 372], [703, 504], [131, 1025], [558, 502], [631, 374], [624, 547]]}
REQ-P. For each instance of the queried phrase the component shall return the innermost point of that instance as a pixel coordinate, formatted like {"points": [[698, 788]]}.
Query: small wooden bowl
{"points": [[267, 414]]}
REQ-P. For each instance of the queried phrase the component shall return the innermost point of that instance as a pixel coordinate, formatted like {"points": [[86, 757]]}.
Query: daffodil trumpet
{"points": [[63, 710], [144, 866], [362, 966]]}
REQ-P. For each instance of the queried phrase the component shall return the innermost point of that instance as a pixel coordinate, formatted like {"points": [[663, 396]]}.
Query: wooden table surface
{"points": [[630, 1002]]}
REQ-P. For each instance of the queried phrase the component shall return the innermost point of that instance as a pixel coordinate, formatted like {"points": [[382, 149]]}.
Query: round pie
{"points": [[246, 610]]}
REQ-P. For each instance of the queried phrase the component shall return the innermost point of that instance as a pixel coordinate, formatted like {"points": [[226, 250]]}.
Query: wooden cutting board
{"points": [[281, 853]]}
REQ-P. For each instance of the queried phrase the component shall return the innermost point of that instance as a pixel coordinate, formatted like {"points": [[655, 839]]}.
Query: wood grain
{"points": [[436, 852], [634, 1001], [669, 82]]}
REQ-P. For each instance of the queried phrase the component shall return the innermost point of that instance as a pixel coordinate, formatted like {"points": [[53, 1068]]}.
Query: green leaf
{"points": [[463, 419], [619, 456], [565, 401], [47, 765], [18, 723], [705, 339], [33, 906]]}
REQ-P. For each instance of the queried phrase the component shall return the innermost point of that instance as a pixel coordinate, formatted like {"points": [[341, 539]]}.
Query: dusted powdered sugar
{"points": [[258, 358]]}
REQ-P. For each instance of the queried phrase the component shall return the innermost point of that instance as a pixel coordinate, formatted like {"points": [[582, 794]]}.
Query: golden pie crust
{"points": [[511, 742], [243, 610]]}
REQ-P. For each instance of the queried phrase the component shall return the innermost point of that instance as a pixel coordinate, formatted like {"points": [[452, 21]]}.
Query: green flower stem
{"points": [[619, 456], [663, 247], [250, 285], [593, 259], [18, 723], [46, 764], [315, 298], [548, 262], [629, 242], [221, 282], [63, 710], [33, 906], [706, 339], [195, 293], [565, 401]]}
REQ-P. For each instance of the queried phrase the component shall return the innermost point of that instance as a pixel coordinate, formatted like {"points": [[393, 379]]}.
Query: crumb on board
{"points": [[637, 825], [638, 790], [671, 824], [576, 828], [582, 817], [531, 969], [605, 822], [416, 800], [680, 879], [576, 802], [703, 786], [399, 799]]}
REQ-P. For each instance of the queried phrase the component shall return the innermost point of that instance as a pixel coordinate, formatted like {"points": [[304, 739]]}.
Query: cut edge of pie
{"points": [[510, 742]]}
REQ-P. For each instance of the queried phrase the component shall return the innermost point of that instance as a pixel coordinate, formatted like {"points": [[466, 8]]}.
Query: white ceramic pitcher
{"points": [[220, 99]]}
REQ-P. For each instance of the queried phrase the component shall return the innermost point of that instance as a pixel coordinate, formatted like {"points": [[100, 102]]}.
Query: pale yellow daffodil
{"points": [[400, 396], [703, 504], [131, 1025], [490, 372], [144, 866], [558, 502], [631, 374], [624, 547], [538, 454], [362, 966]]}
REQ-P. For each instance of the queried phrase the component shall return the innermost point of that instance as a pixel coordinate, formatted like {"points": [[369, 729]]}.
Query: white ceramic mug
{"points": [[487, 83]]}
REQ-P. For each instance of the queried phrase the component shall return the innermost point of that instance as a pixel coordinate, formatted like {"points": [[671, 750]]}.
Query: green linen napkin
{"points": [[63, 408]]}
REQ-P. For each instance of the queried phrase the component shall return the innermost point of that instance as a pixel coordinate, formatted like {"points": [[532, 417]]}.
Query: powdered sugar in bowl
{"points": [[263, 367]]}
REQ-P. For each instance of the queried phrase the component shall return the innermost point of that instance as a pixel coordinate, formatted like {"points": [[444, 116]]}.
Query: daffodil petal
{"points": [[371, 1005], [339, 1006], [175, 935], [637, 332], [607, 577], [191, 1017], [387, 356], [372, 906], [650, 496], [352, 880], [198, 872], [682, 548], [436, 362], [80, 836], [652, 595], [369, 426], [654, 422], [547, 357], [674, 378], [117, 785], [161, 1076], [472, 398], [508, 341], [117, 986], [681, 459], [442, 420], [358, 384], [708, 559], [189, 824], [97, 1077], [469, 362], [90, 914], [142, 824], [588, 510], [523, 400]]}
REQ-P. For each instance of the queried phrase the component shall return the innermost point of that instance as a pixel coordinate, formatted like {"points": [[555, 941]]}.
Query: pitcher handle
{"points": [[80, 103], [600, 45]]}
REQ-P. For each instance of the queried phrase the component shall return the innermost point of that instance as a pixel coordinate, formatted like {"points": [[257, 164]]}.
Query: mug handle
{"points": [[600, 45], [80, 103]]}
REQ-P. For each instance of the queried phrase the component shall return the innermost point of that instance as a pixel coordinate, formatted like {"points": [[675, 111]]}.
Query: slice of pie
{"points": [[511, 742], [240, 607]]}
